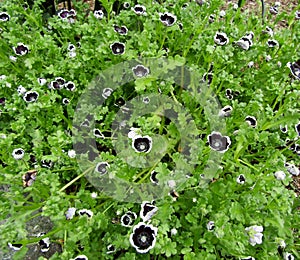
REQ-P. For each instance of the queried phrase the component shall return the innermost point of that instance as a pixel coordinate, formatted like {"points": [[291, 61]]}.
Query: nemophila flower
{"points": [[143, 237], [120, 29], [85, 123], [42, 81], [70, 86], [268, 31], [241, 179], [248, 258], [146, 100], [71, 47], [97, 133], [174, 231], [218, 142], [2, 101], [251, 64], [139, 9], [80, 257], [243, 44], [110, 249], [279, 175], [102, 168], [207, 77], [63, 14], [117, 48], [128, 219], [274, 10], [72, 54], [268, 58], [47, 164], [31, 96], [98, 14], [297, 15], [167, 19], [21, 90], [153, 177], [86, 212], [288, 256], [4, 17], [44, 243], [126, 5], [251, 120], [147, 210], [70, 213], [120, 102], [14, 246], [21, 49], [235, 6], [255, 234], [55, 85], [297, 149], [284, 128], [13, 58], [292, 169], [210, 226], [140, 71], [29, 177], [221, 38], [272, 43], [184, 6], [297, 128], [211, 18], [294, 68], [106, 92], [142, 144], [94, 195], [225, 111], [66, 101], [18, 153], [222, 14]]}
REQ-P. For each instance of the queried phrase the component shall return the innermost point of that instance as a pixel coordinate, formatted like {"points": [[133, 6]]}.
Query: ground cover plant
{"points": [[149, 130]]}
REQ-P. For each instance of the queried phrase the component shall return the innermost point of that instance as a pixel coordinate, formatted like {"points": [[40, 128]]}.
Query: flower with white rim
{"points": [[221, 38], [272, 43], [225, 111], [42, 81], [142, 144], [72, 153], [140, 71], [255, 234], [80, 257], [44, 243], [106, 92], [14, 246], [31, 96], [294, 68], [70, 213], [4, 17], [283, 128], [97, 133], [218, 142], [153, 177], [70, 86], [280, 175], [210, 226], [147, 210], [110, 249], [117, 48], [167, 19], [248, 258], [242, 44], [241, 179], [297, 15], [222, 13], [251, 120], [143, 237], [128, 219], [288, 256], [268, 31], [297, 128], [21, 49], [139, 10], [102, 168], [18, 153], [98, 14]]}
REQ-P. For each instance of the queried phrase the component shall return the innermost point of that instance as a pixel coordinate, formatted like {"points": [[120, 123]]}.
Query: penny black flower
{"points": [[97, 133], [272, 43], [294, 68], [47, 163], [106, 92], [142, 144], [21, 49], [140, 71], [4, 17], [44, 243], [86, 212], [121, 29], [29, 178], [147, 210], [139, 9], [81, 257], [30, 96], [128, 219], [225, 111], [66, 101], [210, 226], [221, 38], [14, 246], [70, 86], [98, 14], [110, 249], [241, 179], [117, 48], [102, 168], [153, 178], [251, 120], [168, 19], [218, 142], [284, 128], [143, 237]]}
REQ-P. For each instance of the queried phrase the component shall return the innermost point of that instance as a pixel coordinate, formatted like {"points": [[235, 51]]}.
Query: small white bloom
{"points": [[255, 234], [279, 64], [72, 153], [70, 213], [98, 14], [282, 243], [172, 184], [292, 169], [277, 4], [222, 13], [42, 81], [194, 200], [268, 58], [2, 77], [94, 195], [13, 58], [235, 6], [241, 179], [280, 175], [250, 64], [3, 136], [72, 54], [210, 225], [173, 231], [21, 90]]}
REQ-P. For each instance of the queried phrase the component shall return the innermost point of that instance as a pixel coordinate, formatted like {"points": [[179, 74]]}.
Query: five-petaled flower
{"points": [[255, 234], [218, 142]]}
